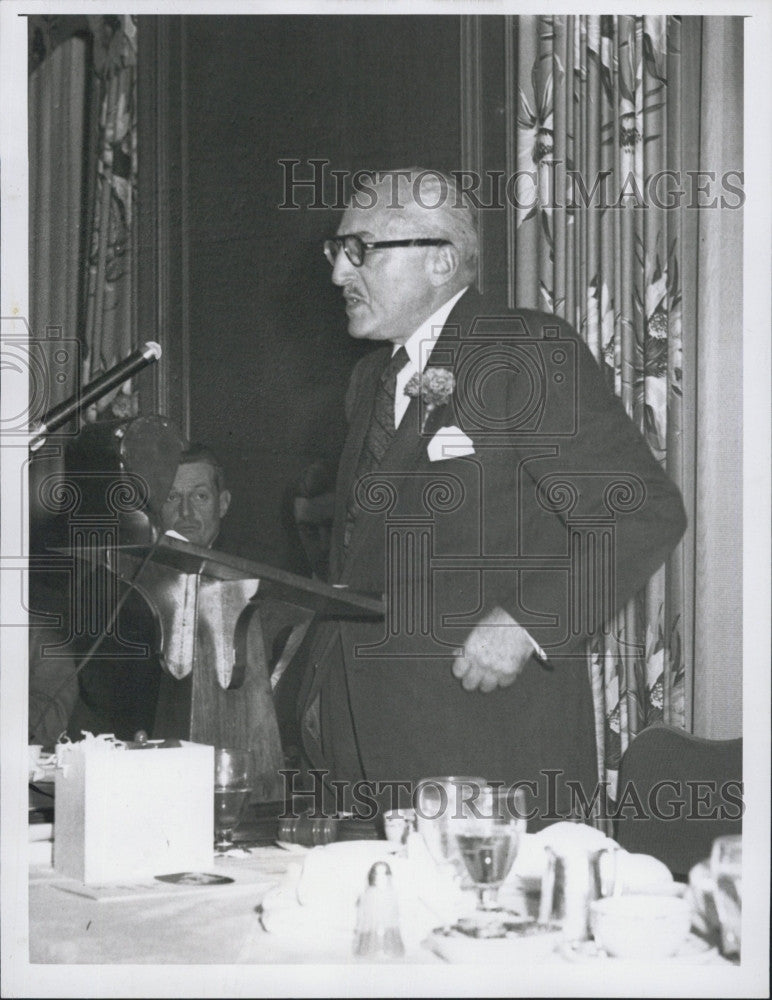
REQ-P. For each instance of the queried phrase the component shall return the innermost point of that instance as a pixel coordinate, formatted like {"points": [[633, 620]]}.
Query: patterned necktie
{"points": [[380, 433]]}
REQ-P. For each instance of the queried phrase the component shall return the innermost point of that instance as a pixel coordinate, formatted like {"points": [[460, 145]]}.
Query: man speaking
{"points": [[499, 497]]}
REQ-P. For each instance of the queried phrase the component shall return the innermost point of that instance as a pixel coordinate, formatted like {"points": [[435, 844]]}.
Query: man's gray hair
{"points": [[444, 208]]}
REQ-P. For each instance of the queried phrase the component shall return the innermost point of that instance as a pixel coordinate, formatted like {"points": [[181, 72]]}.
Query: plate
{"points": [[524, 940], [694, 950]]}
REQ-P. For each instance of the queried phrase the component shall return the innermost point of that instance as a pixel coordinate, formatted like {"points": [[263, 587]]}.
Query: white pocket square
{"points": [[449, 442]]}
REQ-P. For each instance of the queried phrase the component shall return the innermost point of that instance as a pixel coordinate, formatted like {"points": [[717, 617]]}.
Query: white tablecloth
{"points": [[213, 925], [220, 924]]}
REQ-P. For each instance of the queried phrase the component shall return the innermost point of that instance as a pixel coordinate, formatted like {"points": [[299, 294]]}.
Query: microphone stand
{"points": [[63, 412]]}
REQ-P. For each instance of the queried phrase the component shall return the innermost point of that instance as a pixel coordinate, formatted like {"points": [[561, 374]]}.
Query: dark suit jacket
{"points": [[559, 516], [118, 688], [116, 691]]}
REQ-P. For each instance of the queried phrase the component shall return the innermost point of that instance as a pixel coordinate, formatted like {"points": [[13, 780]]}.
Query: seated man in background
{"points": [[198, 499], [117, 689]]}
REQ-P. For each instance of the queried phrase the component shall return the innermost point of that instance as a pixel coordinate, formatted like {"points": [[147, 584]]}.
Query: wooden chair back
{"points": [[677, 793]]}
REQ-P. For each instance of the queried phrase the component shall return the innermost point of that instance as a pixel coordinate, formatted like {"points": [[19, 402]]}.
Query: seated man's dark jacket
{"points": [[116, 690], [118, 687]]}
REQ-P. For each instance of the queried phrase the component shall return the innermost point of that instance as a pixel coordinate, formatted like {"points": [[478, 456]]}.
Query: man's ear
{"points": [[225, 502], [443, 264]]}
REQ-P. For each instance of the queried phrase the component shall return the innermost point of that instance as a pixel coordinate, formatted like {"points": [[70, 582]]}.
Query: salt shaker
{"points": [[377, 929]]}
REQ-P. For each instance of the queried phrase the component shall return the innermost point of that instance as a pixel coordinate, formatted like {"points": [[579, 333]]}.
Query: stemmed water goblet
{"points": [[232, 788], [440, 807], [488, 838]]}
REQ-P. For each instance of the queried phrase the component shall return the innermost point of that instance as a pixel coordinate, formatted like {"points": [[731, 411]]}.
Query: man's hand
{"points": [[496, 651]]}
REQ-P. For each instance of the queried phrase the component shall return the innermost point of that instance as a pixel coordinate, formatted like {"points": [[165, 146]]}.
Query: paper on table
{"points": [[225, 877]]}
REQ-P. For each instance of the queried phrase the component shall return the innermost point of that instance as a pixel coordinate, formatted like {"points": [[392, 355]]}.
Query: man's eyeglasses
{"points": [[355, 248]]}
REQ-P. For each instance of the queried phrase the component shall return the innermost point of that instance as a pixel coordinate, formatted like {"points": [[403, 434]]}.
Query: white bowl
{"points": [[643, 927]]}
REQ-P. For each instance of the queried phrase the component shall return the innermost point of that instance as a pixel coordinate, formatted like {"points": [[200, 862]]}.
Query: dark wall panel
{"points": [[269, 352]]}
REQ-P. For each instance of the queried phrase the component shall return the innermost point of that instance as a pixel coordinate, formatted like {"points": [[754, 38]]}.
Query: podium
{"points": [[215, 612]]}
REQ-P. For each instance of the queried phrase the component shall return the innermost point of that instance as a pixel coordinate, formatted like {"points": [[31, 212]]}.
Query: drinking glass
{"points": [[232, 787], [488, 840], [440, 806]]}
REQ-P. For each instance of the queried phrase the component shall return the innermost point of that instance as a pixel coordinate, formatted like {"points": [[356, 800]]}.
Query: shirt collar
{"points": [[421, 343]]}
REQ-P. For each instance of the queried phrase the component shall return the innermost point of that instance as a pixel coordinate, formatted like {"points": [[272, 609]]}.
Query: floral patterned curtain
{"points": [[110, 277], [598, 102]]}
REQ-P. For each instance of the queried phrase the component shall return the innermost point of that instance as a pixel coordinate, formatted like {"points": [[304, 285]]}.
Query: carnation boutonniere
{"points": [[433, 388]]}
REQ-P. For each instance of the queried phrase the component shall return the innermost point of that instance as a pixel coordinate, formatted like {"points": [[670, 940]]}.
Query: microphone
{"points": [[60, 414]]}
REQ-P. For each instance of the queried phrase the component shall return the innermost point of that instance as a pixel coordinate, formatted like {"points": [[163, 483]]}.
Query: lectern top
{"points": [[276, 584]]}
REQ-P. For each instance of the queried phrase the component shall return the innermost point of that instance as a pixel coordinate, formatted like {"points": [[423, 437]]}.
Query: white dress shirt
{"points": [[419, 346]]}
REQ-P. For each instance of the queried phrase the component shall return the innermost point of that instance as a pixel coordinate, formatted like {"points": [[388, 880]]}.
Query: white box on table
{"points": [[132, 814]]}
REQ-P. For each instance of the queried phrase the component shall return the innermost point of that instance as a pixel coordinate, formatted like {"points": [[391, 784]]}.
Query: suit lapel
{"points": [[408, 448], [407, 451]]}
